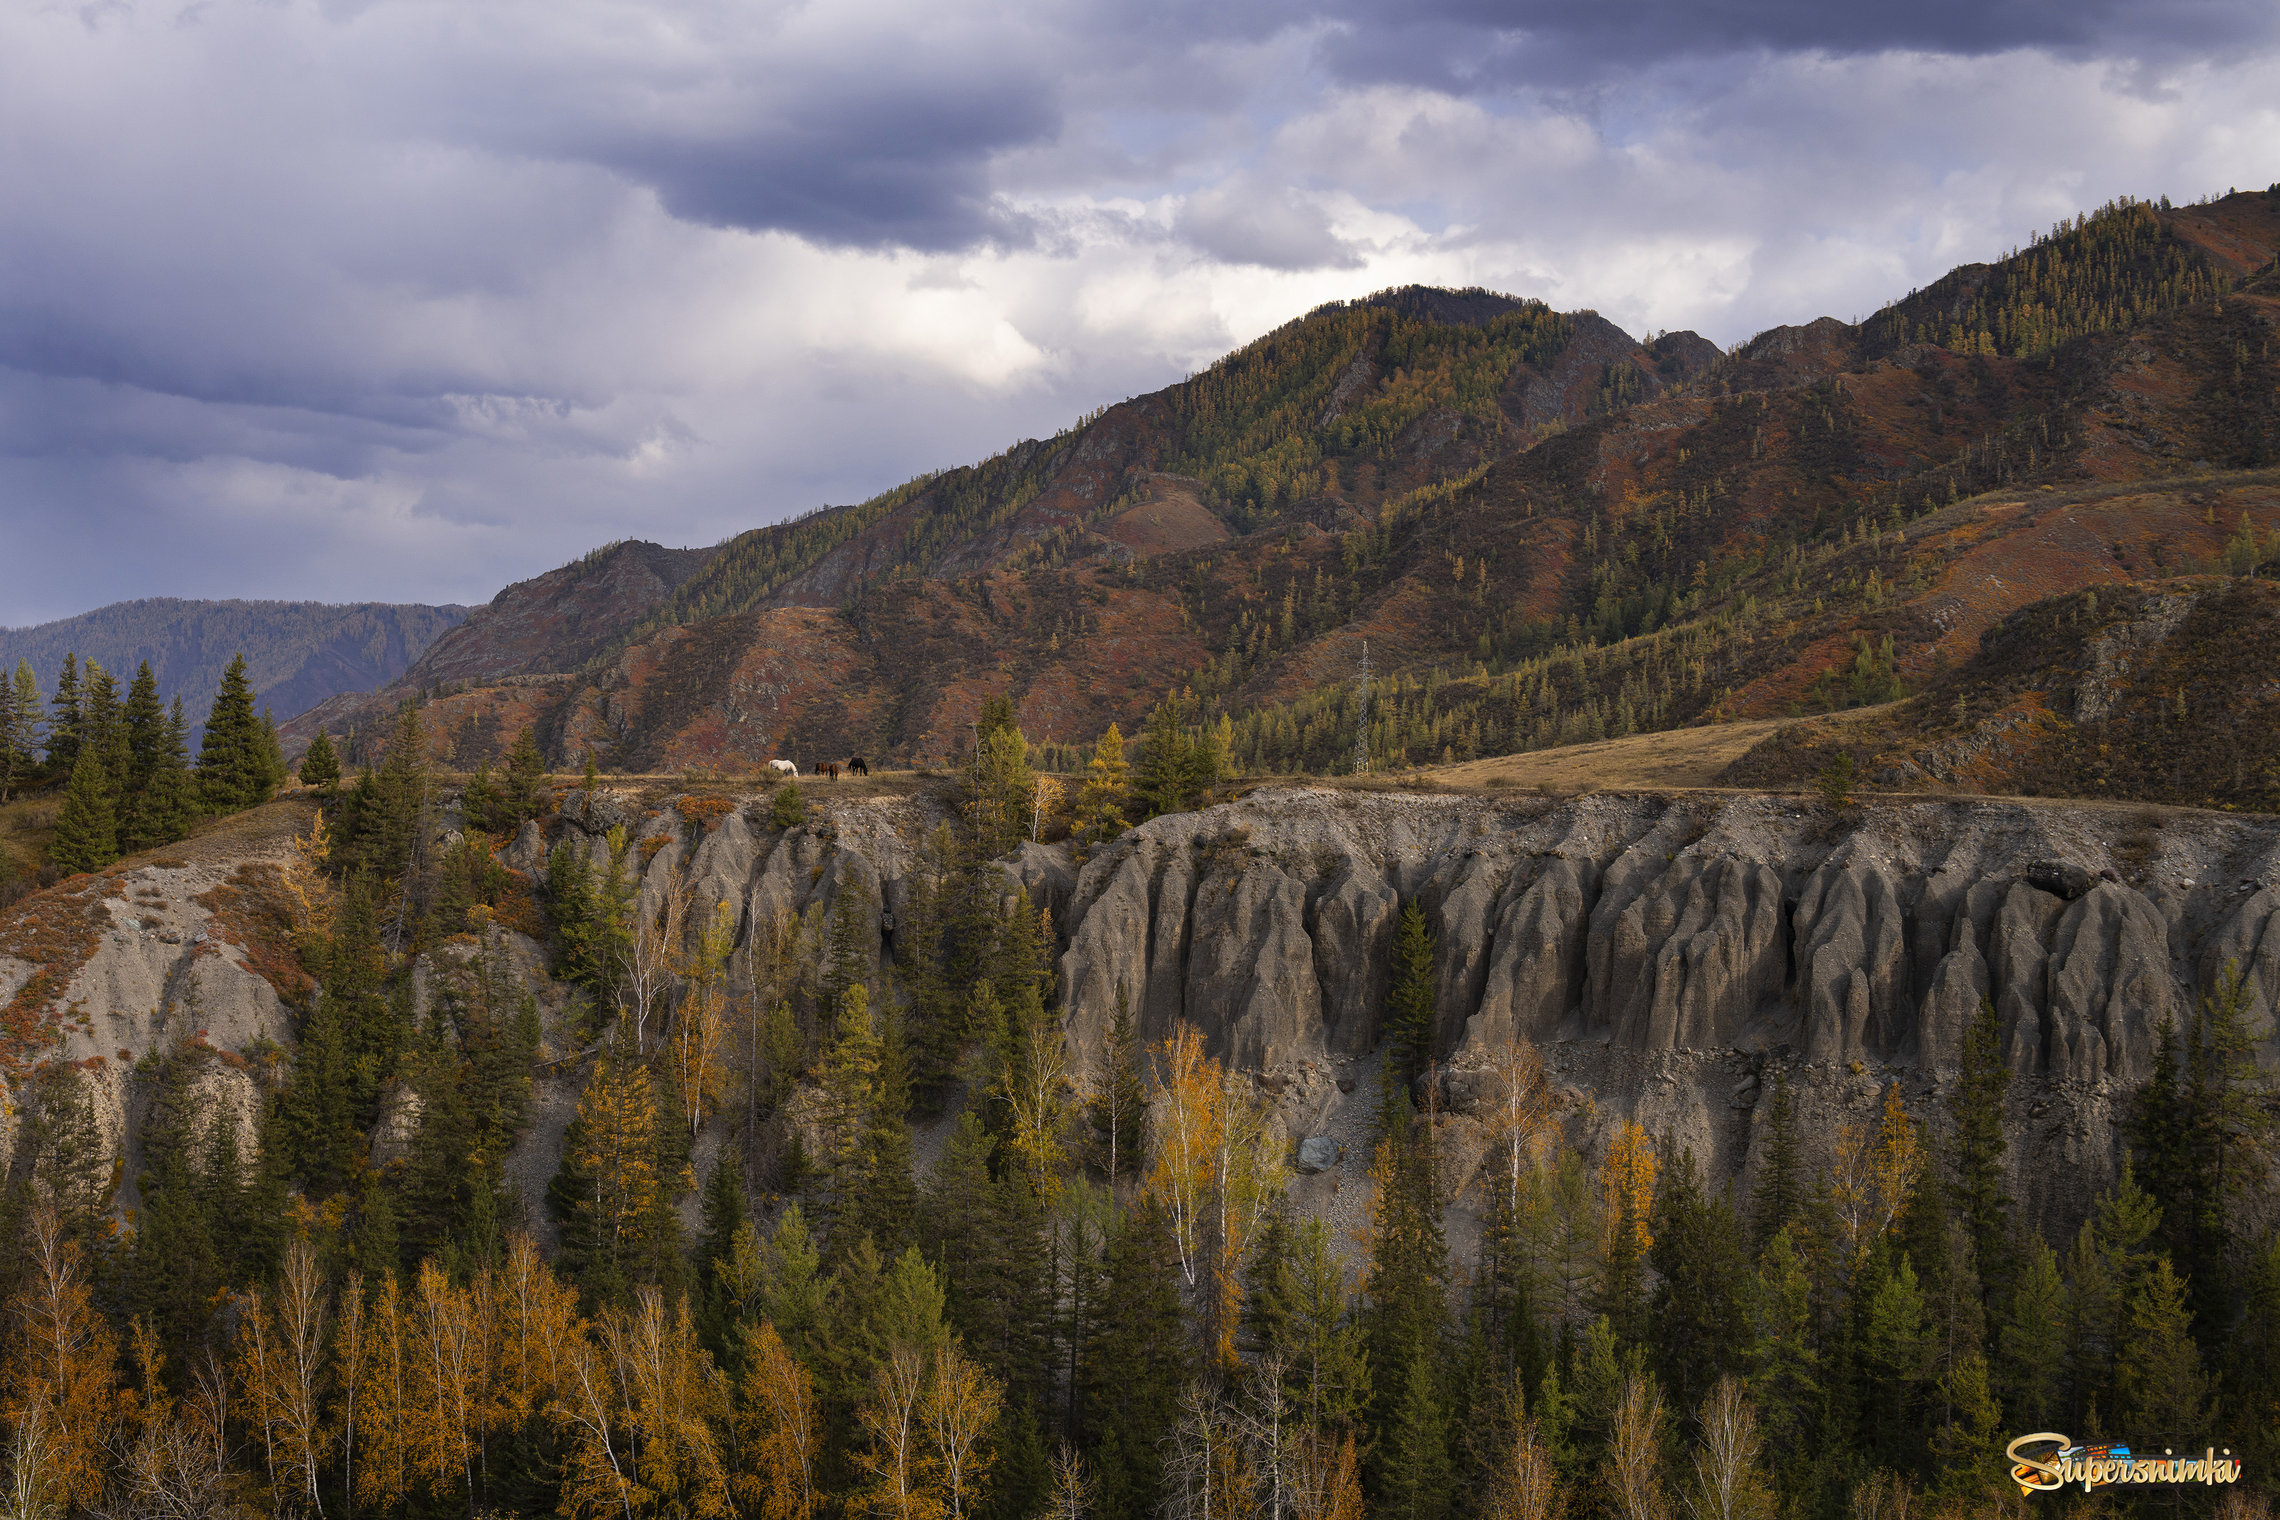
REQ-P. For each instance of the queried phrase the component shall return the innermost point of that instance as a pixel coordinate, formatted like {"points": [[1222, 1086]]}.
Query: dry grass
{"points": [[27, 825], [1679, 757]]}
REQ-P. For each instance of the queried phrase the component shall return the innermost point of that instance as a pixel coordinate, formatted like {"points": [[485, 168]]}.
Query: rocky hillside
{"points": [[298, 653], [1668, 955], [1545, 531]]}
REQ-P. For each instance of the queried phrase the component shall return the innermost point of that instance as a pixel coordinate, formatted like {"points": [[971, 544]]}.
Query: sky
{"points": [[407, 299]]}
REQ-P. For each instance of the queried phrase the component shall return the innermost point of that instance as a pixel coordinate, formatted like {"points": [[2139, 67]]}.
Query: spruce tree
{"points": [[2227, 1132], [1780, 1188], [2031, 1345], [1406, 1311], [724, 1217], [1414, 1477], [170, 803], [1699, 1332], [1978, 1147], [103, 730], [86, 831], [1411, 998], [2164, 1395], [521, 787], [20, 741], [145, 719], [63, 720], [146, 734], [388, 811], [1164, 779], [320, 765], [269, 754], [233, 766], [854, 944], [1134, 1366]]}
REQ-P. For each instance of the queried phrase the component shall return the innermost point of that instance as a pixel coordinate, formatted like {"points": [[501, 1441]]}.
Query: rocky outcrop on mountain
{"points": [[1669, 955], [1658, 949]]}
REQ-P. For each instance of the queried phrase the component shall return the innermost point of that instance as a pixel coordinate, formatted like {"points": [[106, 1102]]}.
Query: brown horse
{"points": [[828, 768]]}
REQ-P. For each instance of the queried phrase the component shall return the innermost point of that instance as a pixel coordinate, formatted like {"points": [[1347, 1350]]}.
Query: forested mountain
{"points": [[297, 653], [1543, 530]]}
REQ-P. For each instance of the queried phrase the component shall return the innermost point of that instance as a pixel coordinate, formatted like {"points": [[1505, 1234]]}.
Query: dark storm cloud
{"points": [[1468, 43]]}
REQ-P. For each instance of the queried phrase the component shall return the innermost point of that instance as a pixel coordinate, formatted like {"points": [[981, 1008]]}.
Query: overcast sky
{"points": [[405, 299]]}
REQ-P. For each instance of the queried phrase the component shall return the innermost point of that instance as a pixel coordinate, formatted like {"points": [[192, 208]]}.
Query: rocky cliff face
{"points": [[1668, 955]]}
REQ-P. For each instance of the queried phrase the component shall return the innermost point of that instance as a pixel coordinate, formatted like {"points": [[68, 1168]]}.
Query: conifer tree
{"points": [[1102, 800], [2158, 1372], [1787, 1382], [1779, 1192], [521, 785], [144, 718], [1134, 1366], [854, 944], [725, 1220], [234, 764], [63, 719], [1414, 1477], [320, 765], [86, 831], [607, 1192], [1704, 1276], [102, 730], [1411, 998], [1406, 1315], [20, 729], [388, 808], [1978, 1148], [2031, 1344], [1120, 1096], [1165, 778]]}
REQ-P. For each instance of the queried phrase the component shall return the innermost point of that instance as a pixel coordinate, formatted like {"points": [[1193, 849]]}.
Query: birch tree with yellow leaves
{"points": [[283, 1372], [700, 1023], [59, 1388], [896, 1460], [778, 1427], [1874, 1170], [960, 1406]]}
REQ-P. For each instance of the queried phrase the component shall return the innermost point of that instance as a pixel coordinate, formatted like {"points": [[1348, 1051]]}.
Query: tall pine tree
{"points": [[234, 765]]}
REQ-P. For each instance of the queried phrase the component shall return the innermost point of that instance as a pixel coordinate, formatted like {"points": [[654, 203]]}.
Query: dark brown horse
{"points": [[857, 767]]}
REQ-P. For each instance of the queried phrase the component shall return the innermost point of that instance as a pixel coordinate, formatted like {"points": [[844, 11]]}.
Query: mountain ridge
{"points": [[1475, 497], [298, 653]]}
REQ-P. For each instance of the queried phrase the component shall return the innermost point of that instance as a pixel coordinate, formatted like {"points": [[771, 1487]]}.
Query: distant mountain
{"points": [[1545, 529], [298, 653]]}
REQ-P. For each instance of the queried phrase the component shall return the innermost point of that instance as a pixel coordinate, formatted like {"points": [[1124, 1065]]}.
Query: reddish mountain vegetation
{"points": [[1544, 530]]}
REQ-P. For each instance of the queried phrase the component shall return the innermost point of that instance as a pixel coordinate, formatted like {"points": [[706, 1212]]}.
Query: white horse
{"points": [[784, 767]]}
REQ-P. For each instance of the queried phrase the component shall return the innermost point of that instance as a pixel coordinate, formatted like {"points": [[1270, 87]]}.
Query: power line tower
{"points": [[1362, 714]]}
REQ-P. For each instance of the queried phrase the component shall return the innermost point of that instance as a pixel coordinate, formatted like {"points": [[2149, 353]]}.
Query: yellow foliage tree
{"points": [[700, 1027], [673, 1406], [1627, 1187], [1101, 800], [777, 1425], [281, 1368], [59, 1390], [1186, 1141], [902, 1471], [1874, 1170], [960, 1406], [614, 1156]]}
